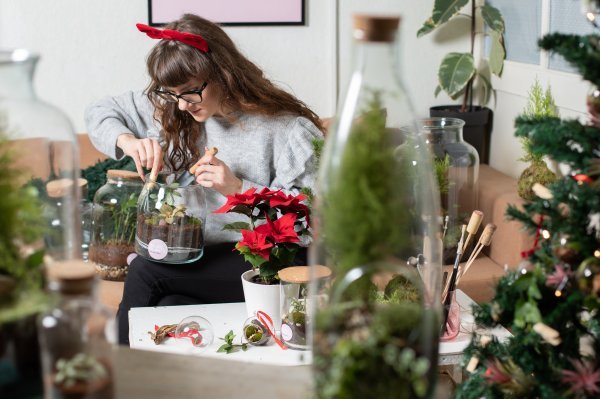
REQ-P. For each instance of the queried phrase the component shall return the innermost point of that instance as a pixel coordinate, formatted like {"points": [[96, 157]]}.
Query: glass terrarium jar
{"points": [[170, 221], [377, 327], [75, 336], [456, 164], [113, 226], [296, 316]]}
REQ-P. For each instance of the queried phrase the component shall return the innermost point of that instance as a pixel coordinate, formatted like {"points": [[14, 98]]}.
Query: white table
{"points": [[231, 316]]}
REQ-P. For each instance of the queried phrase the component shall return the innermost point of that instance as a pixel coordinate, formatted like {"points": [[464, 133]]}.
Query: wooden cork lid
{"points": [[122, 174], [71, 276], [59, 187], [302, 274], [371, 28]]}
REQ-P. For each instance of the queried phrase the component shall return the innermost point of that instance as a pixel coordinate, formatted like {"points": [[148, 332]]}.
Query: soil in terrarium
{"points": [[295, 326], [111, 259], [183, 237]]}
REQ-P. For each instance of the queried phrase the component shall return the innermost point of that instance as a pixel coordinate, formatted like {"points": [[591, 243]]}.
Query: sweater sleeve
{"points": [[295, 165], [109, 117]]}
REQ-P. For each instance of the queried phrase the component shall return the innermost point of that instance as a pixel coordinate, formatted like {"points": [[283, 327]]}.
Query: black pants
{"points": [[214, 278]]}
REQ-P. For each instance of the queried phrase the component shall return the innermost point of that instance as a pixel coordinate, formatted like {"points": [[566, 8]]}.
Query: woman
{"points": [[205, 93]]}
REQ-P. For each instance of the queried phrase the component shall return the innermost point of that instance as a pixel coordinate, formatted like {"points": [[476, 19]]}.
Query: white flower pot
{"points": [[261, 297]]}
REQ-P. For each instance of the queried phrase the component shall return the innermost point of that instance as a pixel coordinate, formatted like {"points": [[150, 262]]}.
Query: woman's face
{"points": [[211, 99]]}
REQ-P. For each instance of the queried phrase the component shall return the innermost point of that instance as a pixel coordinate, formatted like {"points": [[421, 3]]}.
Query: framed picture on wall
{"points": [[229, 12]]}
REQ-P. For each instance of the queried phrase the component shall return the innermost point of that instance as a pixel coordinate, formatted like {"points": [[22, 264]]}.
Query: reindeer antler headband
{"points": [[190, 39]]}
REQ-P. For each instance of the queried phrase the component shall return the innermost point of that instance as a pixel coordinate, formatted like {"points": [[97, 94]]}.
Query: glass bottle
{"points": [[170, 220], [377, 328], [456, 164], [75, 336], [38, 147], [113, 226]]}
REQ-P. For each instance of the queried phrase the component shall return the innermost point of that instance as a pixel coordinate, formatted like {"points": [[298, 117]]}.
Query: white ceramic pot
{"points": [[261, 297]]}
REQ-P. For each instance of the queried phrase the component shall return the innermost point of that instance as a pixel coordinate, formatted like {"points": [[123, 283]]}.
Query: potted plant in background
{"points": [[460, 77], [270, 242], [540, 104]]}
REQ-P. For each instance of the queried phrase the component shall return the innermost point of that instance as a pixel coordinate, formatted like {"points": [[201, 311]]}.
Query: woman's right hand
{"points": [[146, 153]]}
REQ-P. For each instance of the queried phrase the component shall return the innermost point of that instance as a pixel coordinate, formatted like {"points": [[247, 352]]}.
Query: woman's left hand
{"points": [[214, 173]]}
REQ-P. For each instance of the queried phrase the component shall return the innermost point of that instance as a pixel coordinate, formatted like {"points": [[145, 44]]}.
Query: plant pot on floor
{"points": [[478, 126], [261, 297]]}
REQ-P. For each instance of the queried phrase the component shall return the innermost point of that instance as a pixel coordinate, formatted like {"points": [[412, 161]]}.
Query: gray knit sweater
{"points": [[273, 152]]}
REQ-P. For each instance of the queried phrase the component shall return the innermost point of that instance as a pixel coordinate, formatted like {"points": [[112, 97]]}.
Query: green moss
{"points": [[537, 172]]}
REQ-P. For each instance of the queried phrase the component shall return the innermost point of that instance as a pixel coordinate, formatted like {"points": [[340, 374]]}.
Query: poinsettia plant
{"points": [[272, 237]]}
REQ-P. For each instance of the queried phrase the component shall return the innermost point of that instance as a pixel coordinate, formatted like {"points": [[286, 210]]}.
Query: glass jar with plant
{"points": [[460, 75], [170, 221], [113, 226], [376, 327]]}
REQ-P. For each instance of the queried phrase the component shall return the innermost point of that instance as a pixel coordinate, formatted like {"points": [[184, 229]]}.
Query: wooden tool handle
{"points": [[211, 151]]}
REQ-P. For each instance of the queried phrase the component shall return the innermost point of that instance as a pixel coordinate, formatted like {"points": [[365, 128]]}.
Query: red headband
{"points": [[190, 39]]}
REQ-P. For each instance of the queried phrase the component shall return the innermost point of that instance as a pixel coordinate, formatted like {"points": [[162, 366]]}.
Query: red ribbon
{"points": [[528, 253], [193, 334], [266, 321], [190, 39]]}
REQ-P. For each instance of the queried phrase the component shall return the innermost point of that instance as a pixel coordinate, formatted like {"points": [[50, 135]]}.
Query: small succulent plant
{"points": [[80, 368]]}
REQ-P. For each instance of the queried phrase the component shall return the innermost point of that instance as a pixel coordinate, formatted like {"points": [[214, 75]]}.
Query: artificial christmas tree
{"points": [[552, 302]]}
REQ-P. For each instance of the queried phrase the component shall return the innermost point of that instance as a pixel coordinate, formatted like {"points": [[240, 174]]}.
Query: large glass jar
{"points": [[37, 147], [170, 221], [75, 336], [115, 213], [377, 328], [456, 164]]}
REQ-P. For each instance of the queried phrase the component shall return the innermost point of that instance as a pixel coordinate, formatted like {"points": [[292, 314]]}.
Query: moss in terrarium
{"points": [[253, 333], [400, 288], [365, 204], [80, 368]]}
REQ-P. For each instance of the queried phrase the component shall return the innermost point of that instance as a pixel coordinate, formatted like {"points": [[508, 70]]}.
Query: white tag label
{"points": [[157, 249], [286, 332]]}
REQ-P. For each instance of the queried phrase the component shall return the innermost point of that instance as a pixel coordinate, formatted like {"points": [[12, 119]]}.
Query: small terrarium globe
{"points": [[170, 221]]}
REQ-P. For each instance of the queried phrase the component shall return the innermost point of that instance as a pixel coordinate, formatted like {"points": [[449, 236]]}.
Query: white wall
{"points": [[91, 48]]}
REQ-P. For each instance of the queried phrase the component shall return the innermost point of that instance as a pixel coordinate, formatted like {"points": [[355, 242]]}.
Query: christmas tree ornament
{"points": [[548, 334], [581, 179], [588, 276], [197, 329], [255, 332], [593, 226], [567, 250], [542, 191], [593, 102], [584, 380]]}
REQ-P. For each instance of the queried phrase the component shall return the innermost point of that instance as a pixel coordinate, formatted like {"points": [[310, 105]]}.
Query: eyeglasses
{"points": [[191, 97]]}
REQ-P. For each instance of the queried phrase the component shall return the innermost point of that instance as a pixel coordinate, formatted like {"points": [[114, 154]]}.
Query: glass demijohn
{"points": [[115, 214], [170, 221], [75, 336], [376, 328]]}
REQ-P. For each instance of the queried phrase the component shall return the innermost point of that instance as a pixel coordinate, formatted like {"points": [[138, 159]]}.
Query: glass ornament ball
{"points": [[588, 275], [197, 329], [255, 332]]}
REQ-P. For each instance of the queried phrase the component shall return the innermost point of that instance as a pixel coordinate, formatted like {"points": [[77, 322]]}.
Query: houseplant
{"points": [[540, 103], [270, 240], [460, 77]]}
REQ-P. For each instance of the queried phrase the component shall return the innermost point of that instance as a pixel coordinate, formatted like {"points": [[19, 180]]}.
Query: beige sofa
{"points": [[496, 192]]}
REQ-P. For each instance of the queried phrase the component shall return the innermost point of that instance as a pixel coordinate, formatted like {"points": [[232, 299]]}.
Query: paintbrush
{"points": [[451, 285]]}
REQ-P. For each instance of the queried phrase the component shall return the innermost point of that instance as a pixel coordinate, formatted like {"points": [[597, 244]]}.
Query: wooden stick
{"points": [[473, 226], [484, 241], [446, 219], [212, 151]]}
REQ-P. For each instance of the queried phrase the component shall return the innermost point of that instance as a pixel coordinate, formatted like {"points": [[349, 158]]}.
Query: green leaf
{"points": [[438, 89], [224, 348], [427, 27], [243, 209], [493, 18], [455, 72], [497, 53], [443, 10], [237, 226], [527, 313], [35, 259], [487, 88]]}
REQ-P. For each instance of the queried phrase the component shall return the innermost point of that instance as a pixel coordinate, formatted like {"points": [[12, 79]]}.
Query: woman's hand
{"points": [[146, 153], [214, 173]]}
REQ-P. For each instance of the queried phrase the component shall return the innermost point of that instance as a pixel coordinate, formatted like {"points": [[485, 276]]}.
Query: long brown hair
{"points": [[242, 85]]}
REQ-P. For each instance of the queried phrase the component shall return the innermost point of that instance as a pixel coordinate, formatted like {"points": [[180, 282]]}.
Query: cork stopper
{"points": [[488, 232], [122, 174], [59, 187], [371, 28], [73, 277], [474, 222], [302, 274]]}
